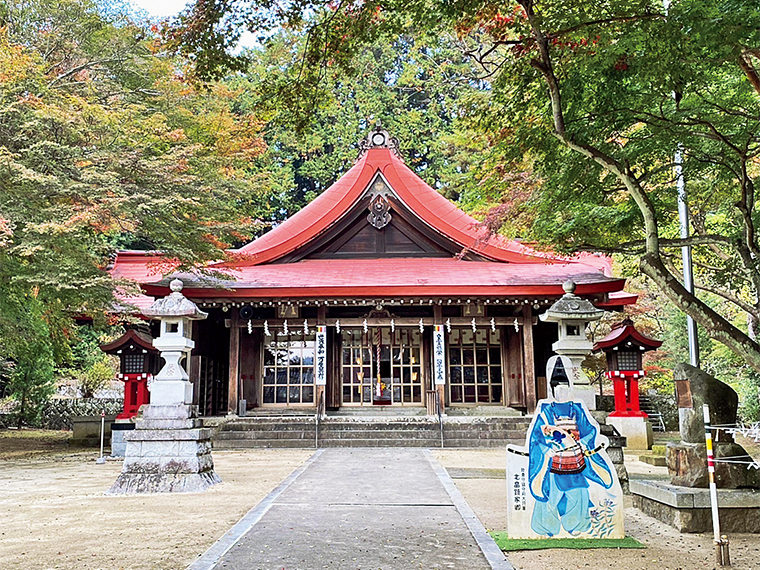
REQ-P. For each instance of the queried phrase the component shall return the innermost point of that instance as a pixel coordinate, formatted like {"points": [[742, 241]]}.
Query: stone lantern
{"points": [[169, 451], [172, 386], [564, 376], [624, 348]]}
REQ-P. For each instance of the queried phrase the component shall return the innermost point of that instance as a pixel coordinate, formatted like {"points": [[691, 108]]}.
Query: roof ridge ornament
{"points": [[378, 138]]}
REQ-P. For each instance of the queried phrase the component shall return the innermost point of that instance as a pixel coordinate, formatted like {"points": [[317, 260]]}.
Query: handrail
{"points": [[317, 417]]}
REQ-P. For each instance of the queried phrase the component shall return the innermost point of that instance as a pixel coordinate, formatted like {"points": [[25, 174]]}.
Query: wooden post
{"points": [[234, 367], [529, 373]]}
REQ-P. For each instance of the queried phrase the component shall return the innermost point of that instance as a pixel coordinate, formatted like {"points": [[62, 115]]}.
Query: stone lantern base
{"points": [[167, 452], [636, 429]]}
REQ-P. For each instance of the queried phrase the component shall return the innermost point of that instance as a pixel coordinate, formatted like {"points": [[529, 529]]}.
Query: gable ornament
{"points": [[379, 212]]}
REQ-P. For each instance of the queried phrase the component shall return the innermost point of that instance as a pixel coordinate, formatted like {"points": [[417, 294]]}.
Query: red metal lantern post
{"points": [[138, 362], [624, 348]]}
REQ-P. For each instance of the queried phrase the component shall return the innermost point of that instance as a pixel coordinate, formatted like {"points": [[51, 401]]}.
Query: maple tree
{"points": [[596, 100], [105, 144]]}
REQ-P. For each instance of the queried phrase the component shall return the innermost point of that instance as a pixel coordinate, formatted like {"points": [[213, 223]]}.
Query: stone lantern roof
{"points": [[571, 307], [175, 305]]}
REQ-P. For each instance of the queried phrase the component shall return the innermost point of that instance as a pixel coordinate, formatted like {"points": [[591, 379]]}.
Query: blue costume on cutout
{"points": [[562, 499]]}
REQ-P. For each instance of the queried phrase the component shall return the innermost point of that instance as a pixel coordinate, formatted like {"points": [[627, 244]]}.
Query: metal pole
{"points": [[688, 275], [720, 543], [102, 459]]}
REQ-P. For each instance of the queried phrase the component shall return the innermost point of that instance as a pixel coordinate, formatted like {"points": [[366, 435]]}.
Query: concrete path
{"points": [[356, 509]]}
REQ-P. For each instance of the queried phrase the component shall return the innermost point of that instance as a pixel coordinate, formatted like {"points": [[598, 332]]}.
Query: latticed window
{"points": [[475, 366], [382, 366], [133, 363], [628, 360], [289, 369]]}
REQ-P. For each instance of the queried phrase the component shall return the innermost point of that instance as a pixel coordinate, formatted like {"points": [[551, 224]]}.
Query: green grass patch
{"points": [[512, 544]]}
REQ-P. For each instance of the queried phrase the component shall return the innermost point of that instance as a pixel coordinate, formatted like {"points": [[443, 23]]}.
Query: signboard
{"points": [[562, 483], [320, 362], [439, 355]]}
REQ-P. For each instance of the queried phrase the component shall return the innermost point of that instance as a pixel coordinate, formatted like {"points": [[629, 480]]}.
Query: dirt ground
{"points": [[55, 516]]}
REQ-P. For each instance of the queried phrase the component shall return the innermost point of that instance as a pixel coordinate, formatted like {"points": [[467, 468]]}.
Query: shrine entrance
{"points": [[382, 366]]}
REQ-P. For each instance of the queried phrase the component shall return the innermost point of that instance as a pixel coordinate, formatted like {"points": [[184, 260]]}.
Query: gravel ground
{"points": [[55, 516]]}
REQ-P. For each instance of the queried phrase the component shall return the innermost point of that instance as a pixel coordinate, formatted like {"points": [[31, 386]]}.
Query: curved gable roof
{"points": [[423, 201]]}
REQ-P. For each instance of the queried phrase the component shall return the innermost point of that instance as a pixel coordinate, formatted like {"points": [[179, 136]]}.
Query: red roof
{"points": [[623, 332], [401, 277], [512, 269], [140, 267], [130, 337], [430, 206]]}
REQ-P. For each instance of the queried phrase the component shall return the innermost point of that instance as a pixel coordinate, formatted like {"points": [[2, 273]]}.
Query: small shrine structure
{"points": [[624, 348], [377, 293], [138, 362]]}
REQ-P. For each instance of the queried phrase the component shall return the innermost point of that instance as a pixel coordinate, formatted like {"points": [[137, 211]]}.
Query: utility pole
{"points": [[688, 275]]}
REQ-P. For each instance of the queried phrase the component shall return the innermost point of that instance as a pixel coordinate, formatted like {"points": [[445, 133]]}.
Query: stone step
{"points": [[373, 430], [370, 411]]}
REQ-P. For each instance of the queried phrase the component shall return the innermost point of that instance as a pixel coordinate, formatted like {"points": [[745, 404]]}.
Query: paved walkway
{"points": [[357, 509]]}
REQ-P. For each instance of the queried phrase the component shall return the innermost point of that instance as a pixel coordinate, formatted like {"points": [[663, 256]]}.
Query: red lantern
{"points": [[625, 347]]}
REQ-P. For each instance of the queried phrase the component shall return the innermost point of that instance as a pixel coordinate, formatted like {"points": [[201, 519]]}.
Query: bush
{"points": [[58, 412]]}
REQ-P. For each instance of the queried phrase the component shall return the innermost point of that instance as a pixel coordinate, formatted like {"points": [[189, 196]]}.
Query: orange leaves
{"points": [[16, 63], [6, 232], [216, 242], [176, 135]]}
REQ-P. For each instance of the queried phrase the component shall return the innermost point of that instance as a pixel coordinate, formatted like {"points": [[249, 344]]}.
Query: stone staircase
{"points": [[371, 427]]}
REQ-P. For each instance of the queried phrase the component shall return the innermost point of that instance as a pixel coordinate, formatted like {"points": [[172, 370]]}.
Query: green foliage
{"points": [[411, 83], [25, 342], [105, 144]]}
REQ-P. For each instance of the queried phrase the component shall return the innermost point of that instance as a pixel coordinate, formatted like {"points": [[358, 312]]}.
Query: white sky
{"points": [[166, 8]]}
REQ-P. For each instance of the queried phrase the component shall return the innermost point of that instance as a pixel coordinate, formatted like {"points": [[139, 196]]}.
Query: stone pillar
{"points": [[169, 451]]}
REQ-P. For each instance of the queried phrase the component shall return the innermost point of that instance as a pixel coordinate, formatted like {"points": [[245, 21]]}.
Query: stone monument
{"points": [[687, 459], [169, 451], [685, 502]]}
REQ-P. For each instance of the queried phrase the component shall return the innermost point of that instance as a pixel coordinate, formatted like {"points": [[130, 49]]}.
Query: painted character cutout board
{"points": [[562, 483]]}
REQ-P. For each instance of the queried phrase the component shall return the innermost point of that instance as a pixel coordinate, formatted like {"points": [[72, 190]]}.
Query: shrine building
{"points": [[380, 292]]}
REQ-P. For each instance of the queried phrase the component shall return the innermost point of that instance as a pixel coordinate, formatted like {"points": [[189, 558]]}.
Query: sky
{"points": [[161, 8]]}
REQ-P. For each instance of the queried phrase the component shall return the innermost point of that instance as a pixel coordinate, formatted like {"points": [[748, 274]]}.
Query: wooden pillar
{"points": [[234, 367], [529, 373]]}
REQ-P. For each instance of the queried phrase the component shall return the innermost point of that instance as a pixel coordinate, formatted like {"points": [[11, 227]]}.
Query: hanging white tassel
{"points": [[474, 326], [337, 326], [448, 325], [285, 327], [305, 327], [393, 325], [250, 327], [422, 326], [266, 328], [366, 327], [493, 325], [517, 326]]}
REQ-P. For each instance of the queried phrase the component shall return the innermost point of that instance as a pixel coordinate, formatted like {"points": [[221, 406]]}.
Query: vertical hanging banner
{"points": [[321, 357], [439, 355]]}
